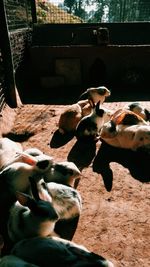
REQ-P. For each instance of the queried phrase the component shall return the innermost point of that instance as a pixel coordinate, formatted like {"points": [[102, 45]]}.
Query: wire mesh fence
{"points": [[92, 11], [2, 81], [15, 33], [18, 13], [55, 12]]}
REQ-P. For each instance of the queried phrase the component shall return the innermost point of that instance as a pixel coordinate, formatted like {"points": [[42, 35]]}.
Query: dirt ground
{"points": [[114, 223]]}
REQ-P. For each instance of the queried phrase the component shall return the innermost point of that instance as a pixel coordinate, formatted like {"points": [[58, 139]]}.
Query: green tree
{"points": [[78, 8], [144, 10], [123, 10], [118, 10], [100, 9], [69, 4]]}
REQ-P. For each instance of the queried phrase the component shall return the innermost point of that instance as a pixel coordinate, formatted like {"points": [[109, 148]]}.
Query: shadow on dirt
{"points": [[19, 137], [59, 139], [82, 153], [136, 161]]}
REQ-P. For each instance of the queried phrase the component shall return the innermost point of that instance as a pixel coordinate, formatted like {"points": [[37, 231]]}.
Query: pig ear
{"points": [[147, 113], [81, 253], [116, 114], [97, 107], [34, 188], [92, 104], [113, 126], [22, 198], [42, 164], [26, 158], [99, 103], [30, 160], [86, 255]]}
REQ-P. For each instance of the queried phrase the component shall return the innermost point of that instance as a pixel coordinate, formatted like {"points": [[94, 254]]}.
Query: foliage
{"points": [[49, 13], [118, 10], [75, 11]]}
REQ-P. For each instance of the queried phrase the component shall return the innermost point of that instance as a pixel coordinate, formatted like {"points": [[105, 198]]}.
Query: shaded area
{"points": [[97, 73], [19, 137], [59, 139], [136, 161], [125, 88], [82, 153], [6, 201]]}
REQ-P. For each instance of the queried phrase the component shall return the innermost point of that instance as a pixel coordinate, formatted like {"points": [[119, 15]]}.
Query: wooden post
{"points": [[33, 11]]}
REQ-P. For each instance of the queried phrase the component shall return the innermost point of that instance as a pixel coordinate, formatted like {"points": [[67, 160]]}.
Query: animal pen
{"points": [[50, 53]]}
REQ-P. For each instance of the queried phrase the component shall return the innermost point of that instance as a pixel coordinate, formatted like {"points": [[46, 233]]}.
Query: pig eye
{"points": [[100, 112], [43, 164], [112, 127], [130, 119]]}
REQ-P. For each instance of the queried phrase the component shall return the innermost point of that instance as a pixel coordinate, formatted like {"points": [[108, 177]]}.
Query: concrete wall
{"points": [[70, 58], [82, 34], [119, 67], [64, 60]]}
